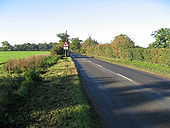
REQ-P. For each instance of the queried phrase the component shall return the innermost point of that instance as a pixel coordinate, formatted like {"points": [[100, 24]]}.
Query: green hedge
{"points": [[158, 56]]}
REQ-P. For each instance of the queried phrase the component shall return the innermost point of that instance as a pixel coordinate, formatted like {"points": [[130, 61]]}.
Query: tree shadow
{"points": [[75, 55], [50, 104], [130, 106]]}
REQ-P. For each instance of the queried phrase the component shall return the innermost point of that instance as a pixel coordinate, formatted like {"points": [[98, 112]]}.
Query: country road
{"points": [[124, 97]]}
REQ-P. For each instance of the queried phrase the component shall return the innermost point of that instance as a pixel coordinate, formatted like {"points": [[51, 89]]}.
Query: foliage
{"points": [[121, 45], [6, 46], [22, 77], [158, 56], [162, 37], [57, 50], [160, 69], [26, 47], [75, 45], [21, 65], [62, 37], [58, 101], [89, 42]]}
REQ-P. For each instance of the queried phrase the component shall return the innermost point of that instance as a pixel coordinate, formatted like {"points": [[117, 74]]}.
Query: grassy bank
{"points": [[57, 101], [156, 69]]}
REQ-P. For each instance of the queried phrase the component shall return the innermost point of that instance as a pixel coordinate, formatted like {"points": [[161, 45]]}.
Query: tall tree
{"points": [[62, 37], [162, 37], [121, 44], [6, 46], [75, 45], [89, 42]]}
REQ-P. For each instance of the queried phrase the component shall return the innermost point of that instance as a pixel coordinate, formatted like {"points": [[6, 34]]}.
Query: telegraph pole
{"points": [[66, 45], [65, 49]]}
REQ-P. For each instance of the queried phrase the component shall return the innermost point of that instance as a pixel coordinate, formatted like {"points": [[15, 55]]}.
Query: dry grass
{"points": [[24, 63]]}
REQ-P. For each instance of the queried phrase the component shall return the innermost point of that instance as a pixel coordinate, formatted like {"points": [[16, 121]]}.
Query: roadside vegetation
{"points": [[122, 50], [43, 91], [155, 69]]}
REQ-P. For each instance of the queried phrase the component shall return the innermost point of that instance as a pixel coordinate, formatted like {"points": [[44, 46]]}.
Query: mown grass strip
{"points": [[156, 69]]}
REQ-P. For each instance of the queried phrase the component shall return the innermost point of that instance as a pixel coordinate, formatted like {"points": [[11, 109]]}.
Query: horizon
{"points": [[39, 21]]}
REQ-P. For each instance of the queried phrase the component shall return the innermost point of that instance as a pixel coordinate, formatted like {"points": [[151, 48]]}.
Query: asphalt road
{"points": [[124, 97]]}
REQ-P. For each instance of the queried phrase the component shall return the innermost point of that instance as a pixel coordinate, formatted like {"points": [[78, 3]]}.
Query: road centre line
{"points": [[99, 65], [114, 72], [124, 77]]}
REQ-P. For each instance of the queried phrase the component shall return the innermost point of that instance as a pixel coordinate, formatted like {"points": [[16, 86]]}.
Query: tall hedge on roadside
{"points": [[122, 47], [159, 56]]}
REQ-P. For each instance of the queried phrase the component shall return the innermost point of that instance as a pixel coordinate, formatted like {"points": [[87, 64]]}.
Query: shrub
{"points": [[57, 50], [21, 65]]}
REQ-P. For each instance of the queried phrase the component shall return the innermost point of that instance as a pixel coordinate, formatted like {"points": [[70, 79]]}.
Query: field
{"points": [[5, 56]]}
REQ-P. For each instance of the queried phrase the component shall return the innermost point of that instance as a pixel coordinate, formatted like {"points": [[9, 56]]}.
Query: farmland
{"points": [[5, 56]]}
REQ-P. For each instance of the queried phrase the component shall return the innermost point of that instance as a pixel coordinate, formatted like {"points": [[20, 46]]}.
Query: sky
{"points": [[38, 21]]}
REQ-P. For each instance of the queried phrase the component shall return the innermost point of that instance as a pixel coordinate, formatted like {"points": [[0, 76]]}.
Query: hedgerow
{"points": [[123, 48]]}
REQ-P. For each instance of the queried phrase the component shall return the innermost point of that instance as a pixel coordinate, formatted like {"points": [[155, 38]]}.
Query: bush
{"points": [[57, 50], [21, 65]]}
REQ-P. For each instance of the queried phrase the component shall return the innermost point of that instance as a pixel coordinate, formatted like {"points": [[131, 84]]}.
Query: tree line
{"points": [[26, 46], [122, 47]]}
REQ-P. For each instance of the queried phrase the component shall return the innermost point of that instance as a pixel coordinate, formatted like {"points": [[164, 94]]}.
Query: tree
{"points": [[75, 45], [162, 37], [6, 46], [62, 37], [121, 46], [89, 42]]}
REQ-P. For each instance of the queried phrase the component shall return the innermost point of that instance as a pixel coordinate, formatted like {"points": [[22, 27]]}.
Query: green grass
{"points": [[156, 69], [60, 101], [57, 102], [6, 55]]}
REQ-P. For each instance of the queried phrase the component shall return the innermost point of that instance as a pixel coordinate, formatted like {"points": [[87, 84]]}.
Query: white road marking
{"points": [[113, 72], [124, 77], [99, 65]]}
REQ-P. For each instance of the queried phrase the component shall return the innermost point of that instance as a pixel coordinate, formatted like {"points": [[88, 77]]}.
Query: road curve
{"points": [[124, 97]]}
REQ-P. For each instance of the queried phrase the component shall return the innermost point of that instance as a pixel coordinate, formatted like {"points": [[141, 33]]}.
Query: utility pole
{"points": [[66, 45], [65, 49]]}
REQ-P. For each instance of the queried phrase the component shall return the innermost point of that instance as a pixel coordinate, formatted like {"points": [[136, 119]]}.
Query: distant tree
{"points": [[124, 41], [6, 46], [138, 46], [162, 37], [89, 42], [75, 45]]}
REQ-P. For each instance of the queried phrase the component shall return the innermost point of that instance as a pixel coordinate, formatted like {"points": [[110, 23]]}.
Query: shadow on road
{"points": [[130, 105]]}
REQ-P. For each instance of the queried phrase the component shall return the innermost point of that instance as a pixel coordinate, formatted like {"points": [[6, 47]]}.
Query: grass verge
{"points": [[58, 102], [155, 69]]}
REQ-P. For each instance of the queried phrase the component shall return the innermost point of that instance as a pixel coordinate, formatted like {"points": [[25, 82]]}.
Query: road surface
{"points": [[124, 97]]}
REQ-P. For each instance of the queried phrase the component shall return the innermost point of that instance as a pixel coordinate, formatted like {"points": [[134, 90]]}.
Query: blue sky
{"points": [[37, 21]]}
